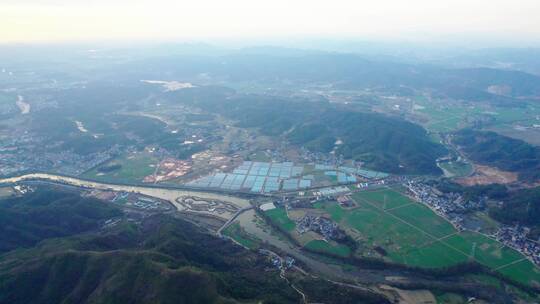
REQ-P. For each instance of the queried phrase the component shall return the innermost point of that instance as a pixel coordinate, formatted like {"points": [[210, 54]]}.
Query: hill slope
{"points": [[383, 142], [508, 154], [157, 259], [25, 221]]}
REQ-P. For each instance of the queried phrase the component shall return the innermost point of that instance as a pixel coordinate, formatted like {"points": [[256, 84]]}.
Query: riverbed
{"points": [[171, 195]]}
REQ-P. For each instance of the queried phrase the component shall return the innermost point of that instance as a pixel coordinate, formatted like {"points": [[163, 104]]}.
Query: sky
{"points": [[163, 20]]}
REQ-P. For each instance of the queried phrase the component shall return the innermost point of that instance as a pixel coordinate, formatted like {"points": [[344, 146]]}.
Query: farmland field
{"points": [[374, 228], [435, 255], [445, 119], [486, 251], [423, 218], [523, 271], [386, 199], [280, 218], [446, 125], [236, 232], [412, 234], [379, 229], [134, 168], [334, 210], [319, 245], [449, 298]]}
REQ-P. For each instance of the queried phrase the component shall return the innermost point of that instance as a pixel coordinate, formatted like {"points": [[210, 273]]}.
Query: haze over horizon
{"points": [[494, 23]]}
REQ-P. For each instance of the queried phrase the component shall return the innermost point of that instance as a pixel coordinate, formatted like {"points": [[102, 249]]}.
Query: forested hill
{"points": [[508, 154], [44, 214], [519, 206], [383, 142], [156, 259]]}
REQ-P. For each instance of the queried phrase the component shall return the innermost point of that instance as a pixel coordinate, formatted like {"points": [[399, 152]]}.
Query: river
{"points": [[170, 195]]}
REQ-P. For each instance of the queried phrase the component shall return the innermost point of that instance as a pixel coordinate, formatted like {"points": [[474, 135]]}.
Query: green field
{"points": [[486, 251], [333, 209], [506, 115], [379, 229], [435, 255], [386, 199], [280, 218], [444, 118], [237, 233], [523, 271], [373, 228], [322, 246], [446, 125], [134, 168], [457, 169], [449, 298], [424, 219], [412, 234]]}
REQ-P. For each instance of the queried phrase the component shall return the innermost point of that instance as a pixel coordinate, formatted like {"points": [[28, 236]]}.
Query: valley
{"points": [[375, 179]]}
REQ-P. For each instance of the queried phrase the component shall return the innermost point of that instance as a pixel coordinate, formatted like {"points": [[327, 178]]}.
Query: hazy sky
{"points": [[57, 20]]}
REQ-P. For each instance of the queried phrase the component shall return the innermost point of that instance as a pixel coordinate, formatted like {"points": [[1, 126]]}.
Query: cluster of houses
{"points": [[516, 237], [448, 205], [25, 151], [324, 226], [277, 261]]}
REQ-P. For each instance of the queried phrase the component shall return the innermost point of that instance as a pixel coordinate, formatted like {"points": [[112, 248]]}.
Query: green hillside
{"points": [[154, 259], [384, 143], [27, 220], [508, 154]]}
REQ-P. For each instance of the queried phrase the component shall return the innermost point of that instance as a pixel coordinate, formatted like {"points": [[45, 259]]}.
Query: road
{"points": [[232, 219]]}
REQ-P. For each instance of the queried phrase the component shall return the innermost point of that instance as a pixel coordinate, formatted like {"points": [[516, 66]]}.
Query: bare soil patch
{"points": [[484, 175]]}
